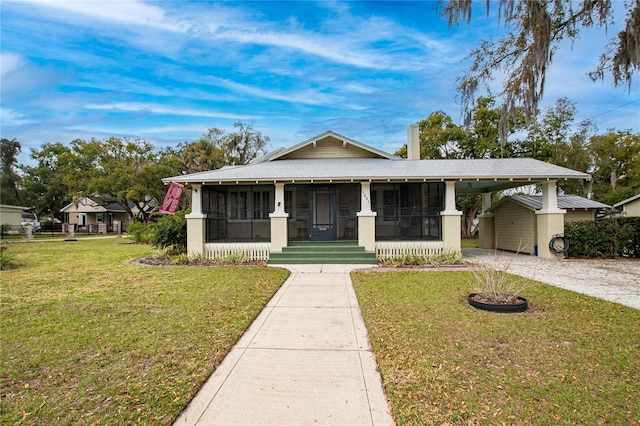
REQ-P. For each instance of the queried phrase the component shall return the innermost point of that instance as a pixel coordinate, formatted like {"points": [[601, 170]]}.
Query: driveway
{"points": [[615, 280]]}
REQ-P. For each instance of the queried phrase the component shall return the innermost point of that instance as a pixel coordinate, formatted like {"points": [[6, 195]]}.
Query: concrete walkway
{"points": [[305, 360], [615, 280]]}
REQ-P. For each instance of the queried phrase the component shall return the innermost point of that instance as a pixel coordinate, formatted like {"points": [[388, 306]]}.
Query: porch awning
{"points": [[472, 176]]}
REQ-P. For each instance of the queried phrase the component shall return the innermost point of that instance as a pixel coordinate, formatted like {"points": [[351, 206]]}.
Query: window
{"points": [[261, 204], [390, 200], [238, 205], [288, 202]]}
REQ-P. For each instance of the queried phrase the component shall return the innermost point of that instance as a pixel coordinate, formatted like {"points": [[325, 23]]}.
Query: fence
{"points": [[254, 251], [390, 249]]}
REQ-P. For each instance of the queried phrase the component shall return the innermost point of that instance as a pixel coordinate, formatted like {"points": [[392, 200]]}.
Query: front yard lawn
{"points": [[88, 338], [571, 359]]}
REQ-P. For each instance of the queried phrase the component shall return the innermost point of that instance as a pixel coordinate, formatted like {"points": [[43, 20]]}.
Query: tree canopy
{"points": [[9, 179], [535, 30], [121, 170]]}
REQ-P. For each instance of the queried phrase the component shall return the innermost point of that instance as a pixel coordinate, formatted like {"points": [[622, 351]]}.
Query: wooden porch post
{"points": [[279, 219], [487, 225], [366, 219], [550, 219], [196, 223], [450, 219]]}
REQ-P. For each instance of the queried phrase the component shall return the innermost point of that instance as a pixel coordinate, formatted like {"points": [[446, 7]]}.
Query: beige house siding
{"points": [[91, 218], [515, 228], [632, 208], [11, 215], [330, 148], [579, 215]]}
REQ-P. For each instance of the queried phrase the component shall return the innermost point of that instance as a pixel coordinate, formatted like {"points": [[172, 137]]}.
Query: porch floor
{"points": [[325, 252]]}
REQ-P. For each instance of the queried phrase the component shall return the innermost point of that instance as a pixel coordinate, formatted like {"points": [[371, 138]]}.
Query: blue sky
{"points": [[168, 71]]}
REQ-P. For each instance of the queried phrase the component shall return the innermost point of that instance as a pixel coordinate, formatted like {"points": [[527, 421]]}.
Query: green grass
{"points": [[469, 243], [89, 338], [571, 359]]}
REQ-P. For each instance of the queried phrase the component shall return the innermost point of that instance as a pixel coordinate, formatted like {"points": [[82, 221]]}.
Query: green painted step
{"points": [[327, 252]]}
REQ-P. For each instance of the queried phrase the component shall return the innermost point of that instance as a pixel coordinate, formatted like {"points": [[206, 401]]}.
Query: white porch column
{"points": [[366, 219], [279, 220], [487, 224], [550, 219], [196, 223], [450, 219]]}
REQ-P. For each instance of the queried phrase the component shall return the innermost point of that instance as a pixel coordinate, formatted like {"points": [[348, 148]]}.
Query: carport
{"points": [[516, 221]]}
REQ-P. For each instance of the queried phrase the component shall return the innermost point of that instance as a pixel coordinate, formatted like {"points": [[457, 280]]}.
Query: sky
{"points": [[167, 71]]}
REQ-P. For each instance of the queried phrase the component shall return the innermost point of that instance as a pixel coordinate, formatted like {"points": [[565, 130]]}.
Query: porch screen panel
{"points": [[296, 204], [408, 211], [247, 213], [348, 207], [214, 207]]}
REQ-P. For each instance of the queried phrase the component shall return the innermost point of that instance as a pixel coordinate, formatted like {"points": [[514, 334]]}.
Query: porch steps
{"points": [[326, 252]]}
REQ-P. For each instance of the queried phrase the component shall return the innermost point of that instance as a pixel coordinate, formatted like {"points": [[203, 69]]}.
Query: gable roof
{"points": [[363, 163], [565, 202], [627, 201], [326, 139], [473, 176]]}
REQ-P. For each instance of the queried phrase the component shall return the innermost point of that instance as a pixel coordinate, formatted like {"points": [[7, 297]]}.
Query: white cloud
{"points": [[10, 62], [10, 117], [159, 109], [128, 12]]}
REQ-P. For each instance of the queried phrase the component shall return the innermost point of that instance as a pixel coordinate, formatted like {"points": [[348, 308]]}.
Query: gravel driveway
{"points": [[616, 280]]}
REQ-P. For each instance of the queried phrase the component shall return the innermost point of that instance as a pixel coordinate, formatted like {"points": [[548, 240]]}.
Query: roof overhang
{"points": [[470, 176]]}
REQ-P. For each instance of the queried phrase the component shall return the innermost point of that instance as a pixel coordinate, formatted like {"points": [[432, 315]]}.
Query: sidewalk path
{"points": [[305, 360], [615, 280]]}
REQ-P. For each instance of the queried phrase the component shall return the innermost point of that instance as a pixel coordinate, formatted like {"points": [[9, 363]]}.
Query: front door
{"points": [[322, 213]]}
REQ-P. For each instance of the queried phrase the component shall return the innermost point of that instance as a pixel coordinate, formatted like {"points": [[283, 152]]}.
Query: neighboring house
{"points": [[93, 216], [516, 222], [630, 206], [11, 216], [331, 187]]}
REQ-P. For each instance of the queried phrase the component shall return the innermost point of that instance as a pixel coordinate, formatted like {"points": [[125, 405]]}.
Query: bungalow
{"points": [[89, 215], [516, 221], [630, 206], [331, 188]]}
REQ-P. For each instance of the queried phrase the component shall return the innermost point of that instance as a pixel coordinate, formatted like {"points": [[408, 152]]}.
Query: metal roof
{"points": [[566, 202], [628, 200], [473, 176]]}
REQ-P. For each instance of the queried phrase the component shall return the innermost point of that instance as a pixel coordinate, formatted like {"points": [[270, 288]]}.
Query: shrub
{"points": [[6, 257], [444, 258], [141, 232], [171, 230], [611, 237]]}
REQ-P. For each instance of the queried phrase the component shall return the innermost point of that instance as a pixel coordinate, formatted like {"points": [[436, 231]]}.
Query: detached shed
{"points": [[11, 215], [516, 224], [630, 206]]}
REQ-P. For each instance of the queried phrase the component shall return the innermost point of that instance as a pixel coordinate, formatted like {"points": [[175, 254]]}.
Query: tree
{"points": [[245, 143], [120, 170], [43, 184], [616, 165], [218, 147], [9, 180], [534, 32], [440, 137], [206, 153]]}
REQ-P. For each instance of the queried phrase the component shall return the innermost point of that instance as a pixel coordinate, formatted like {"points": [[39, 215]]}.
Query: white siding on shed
{"points": [[632, 208], [579, 215], [515, 228]]}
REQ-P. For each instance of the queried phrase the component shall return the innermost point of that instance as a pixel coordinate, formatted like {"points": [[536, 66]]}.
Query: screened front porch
{"points": [[403, 212]]}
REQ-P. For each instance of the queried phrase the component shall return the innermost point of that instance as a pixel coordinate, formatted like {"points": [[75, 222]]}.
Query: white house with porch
{"points": [[332, 188]]}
